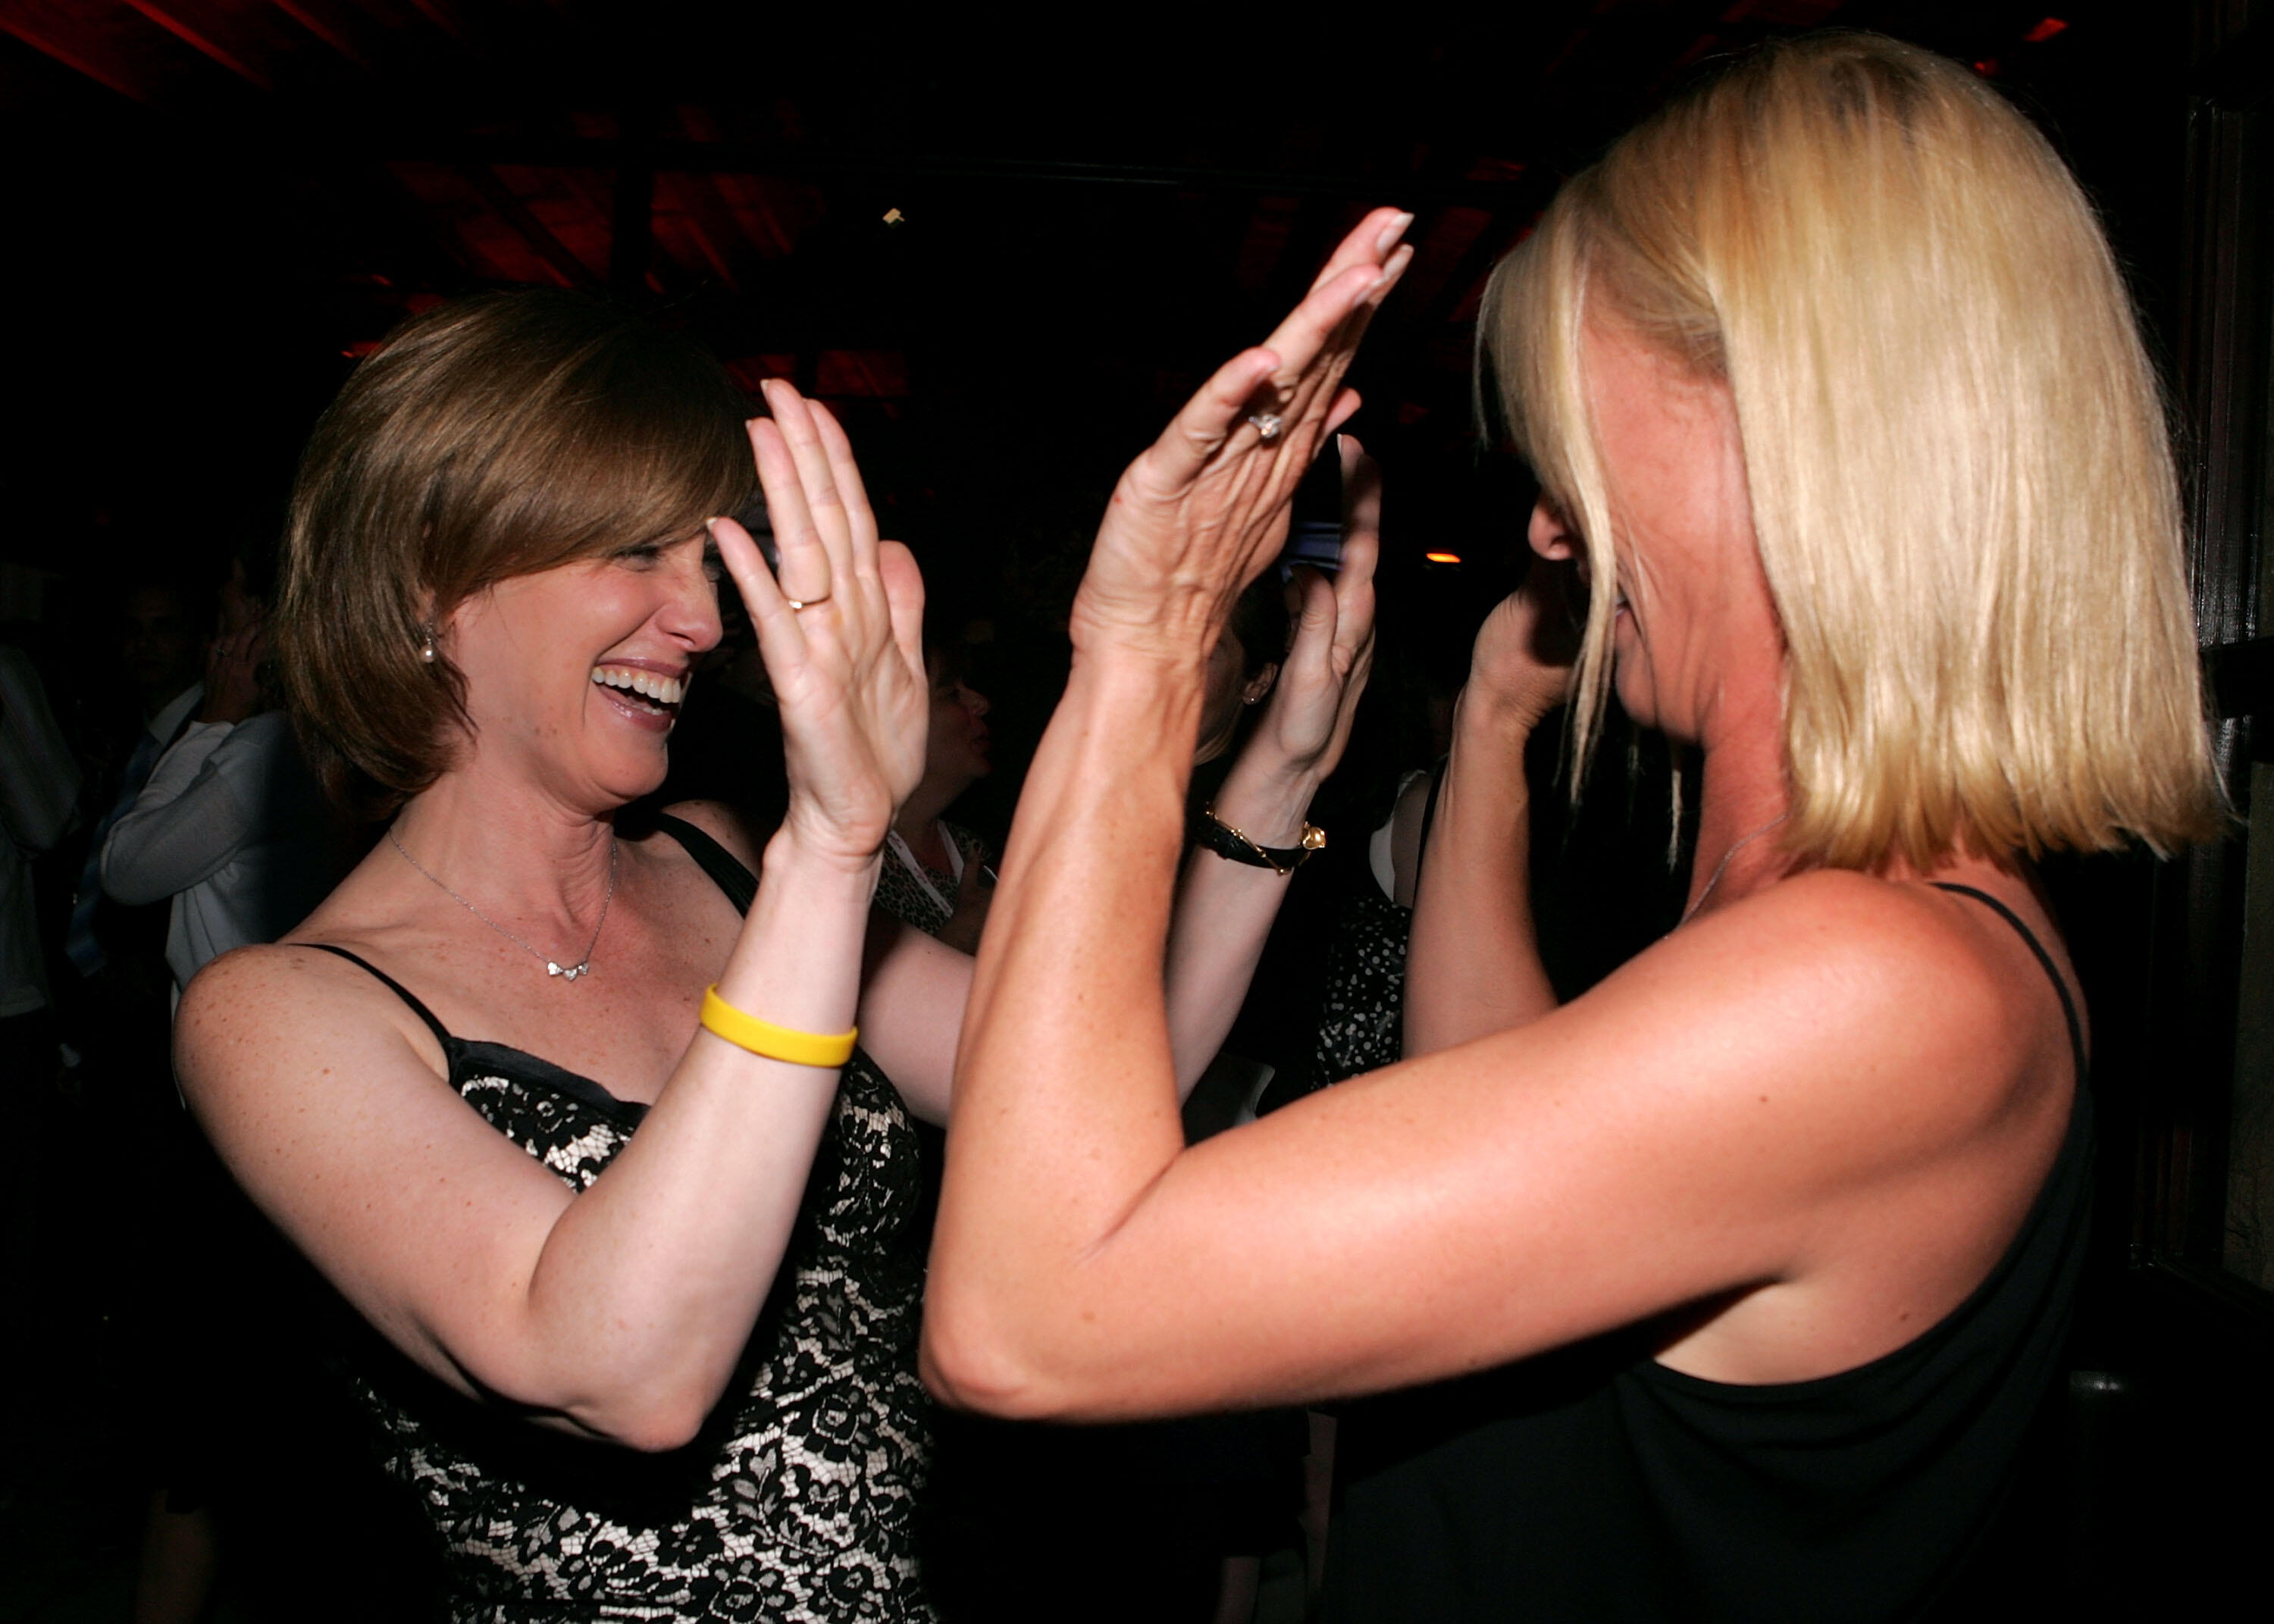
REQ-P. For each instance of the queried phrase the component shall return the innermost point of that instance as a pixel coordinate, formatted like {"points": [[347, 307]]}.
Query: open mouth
{"points": [[645, 691]]}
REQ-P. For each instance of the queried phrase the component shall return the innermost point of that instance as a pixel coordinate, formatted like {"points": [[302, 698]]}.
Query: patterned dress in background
{"points": [[899, 894], [1362, 1011]]}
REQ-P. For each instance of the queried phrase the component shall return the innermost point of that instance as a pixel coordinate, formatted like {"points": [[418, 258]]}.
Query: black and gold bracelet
{"points": [[1213, 832]]}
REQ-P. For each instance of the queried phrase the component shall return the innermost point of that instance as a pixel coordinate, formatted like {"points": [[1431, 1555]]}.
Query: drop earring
{"points": [[427, 648]]}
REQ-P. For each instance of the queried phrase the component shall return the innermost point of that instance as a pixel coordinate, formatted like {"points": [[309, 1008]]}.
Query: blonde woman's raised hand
{"points": [[1204, 508], [841, 629]]}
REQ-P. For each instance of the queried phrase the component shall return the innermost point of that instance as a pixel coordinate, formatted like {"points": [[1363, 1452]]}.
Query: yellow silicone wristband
{"points": [[763, 1037]]}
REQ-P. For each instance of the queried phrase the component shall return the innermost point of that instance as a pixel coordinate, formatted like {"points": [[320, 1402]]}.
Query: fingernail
{"points": [[1391, 232]]}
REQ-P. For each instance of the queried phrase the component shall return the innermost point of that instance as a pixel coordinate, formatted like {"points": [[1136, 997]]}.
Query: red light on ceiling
{"points": [[2045, 30], [1442, 558]]}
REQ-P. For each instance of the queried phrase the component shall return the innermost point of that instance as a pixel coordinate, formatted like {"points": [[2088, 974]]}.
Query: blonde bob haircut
{"points": [[1961, 476], [495, 436]]}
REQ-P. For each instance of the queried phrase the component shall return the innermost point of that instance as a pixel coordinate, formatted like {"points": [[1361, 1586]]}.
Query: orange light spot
{"points": [[1442, 558]]}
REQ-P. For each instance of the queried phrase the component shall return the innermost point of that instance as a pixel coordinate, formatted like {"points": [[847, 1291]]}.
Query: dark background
{"points": [[1004, 253], [213, 206]]}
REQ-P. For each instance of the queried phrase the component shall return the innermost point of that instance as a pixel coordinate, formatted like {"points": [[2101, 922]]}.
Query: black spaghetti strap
{"points": [[441, 1032], [2068, 1004], [725, 869]]}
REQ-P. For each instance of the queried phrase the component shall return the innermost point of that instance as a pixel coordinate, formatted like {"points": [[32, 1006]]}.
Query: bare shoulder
{"points": [[1882, 1000], [257, 1010], [726, 824], [1835, 931]]}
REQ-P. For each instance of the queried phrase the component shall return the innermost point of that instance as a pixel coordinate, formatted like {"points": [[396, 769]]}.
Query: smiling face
{"points": [[575, 675], [1695, 624]]}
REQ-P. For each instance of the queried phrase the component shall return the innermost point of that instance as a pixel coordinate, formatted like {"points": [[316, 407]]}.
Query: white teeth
{"points": [[663, 690]]}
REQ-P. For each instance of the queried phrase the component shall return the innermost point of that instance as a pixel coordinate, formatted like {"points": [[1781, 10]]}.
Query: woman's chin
{"points": [[619, 782]]}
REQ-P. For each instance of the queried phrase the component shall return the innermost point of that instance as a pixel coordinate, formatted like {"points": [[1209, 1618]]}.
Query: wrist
{"points": [[797, 857], [1487, 718], [1267, 801], [1149, 698]]}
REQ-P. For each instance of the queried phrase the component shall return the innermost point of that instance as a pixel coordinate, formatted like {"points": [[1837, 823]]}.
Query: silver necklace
{"points": [[567, 973], [1722, 868]]}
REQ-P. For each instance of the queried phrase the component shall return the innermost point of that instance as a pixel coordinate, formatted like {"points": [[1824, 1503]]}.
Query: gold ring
{"points": [[796, 604]]}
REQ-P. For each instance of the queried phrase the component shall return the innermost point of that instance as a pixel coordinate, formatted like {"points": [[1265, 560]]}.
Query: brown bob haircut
{"points": [[494, 436]]}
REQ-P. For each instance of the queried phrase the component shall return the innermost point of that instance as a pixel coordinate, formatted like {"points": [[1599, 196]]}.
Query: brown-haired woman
{"points": [[1761, 1253], [671, 1219]]}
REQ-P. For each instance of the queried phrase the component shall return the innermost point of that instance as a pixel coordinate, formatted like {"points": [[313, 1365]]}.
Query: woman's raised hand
{"points": [[1308, 720], [1521, 666], [841, 629], [1204, 508]]}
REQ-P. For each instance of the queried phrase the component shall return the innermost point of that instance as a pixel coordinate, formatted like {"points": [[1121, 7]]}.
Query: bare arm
{"points": [[1473, 964], [618, 1312], [913, 1000], [1224, 910]]}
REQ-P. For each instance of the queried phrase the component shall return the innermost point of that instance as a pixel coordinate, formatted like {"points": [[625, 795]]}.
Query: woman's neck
{"points": [[523, 853], [1744, 797]]}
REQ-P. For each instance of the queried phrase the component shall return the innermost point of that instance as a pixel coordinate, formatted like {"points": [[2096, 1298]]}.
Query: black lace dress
{"points": [[796, 1502]]}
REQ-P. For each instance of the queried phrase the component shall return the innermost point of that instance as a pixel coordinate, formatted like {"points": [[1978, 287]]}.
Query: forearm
{"points": [[182, 828], [1225, 912], [1065, 1090], [1473, 964], [648, 1283]]}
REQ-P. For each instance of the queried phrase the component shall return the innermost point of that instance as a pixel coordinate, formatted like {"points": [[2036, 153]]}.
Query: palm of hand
{"points": [[845, 655], [853, 720]]}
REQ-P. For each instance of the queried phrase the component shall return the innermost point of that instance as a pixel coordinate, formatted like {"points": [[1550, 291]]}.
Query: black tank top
{"points": [[1593, 1483]]}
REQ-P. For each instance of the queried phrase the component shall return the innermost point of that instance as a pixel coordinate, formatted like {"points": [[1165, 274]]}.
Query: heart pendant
{"points": [[551, 968]]}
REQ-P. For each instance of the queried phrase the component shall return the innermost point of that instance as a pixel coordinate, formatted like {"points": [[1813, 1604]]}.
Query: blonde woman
{"points": [[1766, 1243]]}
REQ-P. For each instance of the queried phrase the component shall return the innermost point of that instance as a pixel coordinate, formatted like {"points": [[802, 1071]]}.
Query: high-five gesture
{"points": [[840, 630], [1198, 516]]}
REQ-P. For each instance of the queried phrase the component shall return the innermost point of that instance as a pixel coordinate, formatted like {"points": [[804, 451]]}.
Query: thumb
{"points": [[1308, 652]]}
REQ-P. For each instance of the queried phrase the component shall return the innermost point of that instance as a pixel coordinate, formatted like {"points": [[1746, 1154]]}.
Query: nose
{"points": [[1550, 537], [689, 613], [973, 701]]}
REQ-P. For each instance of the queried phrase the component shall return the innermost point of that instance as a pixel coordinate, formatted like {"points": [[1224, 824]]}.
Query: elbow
{"points": [[969, 1362], [650, 1423], [650, 1415], [655, 1429]]}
